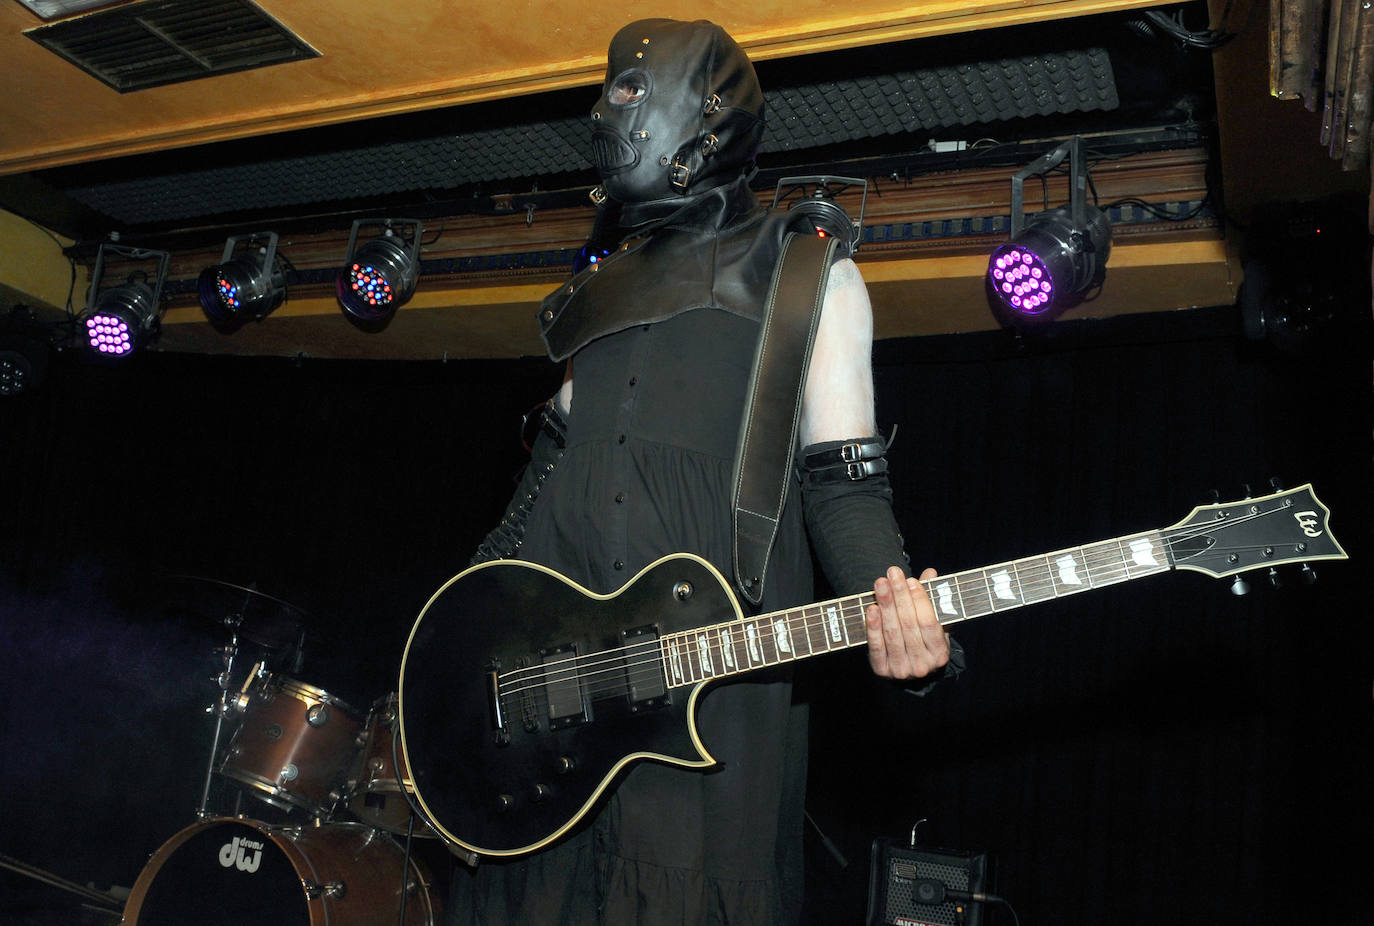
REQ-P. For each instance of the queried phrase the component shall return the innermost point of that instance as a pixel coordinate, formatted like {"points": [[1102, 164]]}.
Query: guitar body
{"points": [[504, 767]]}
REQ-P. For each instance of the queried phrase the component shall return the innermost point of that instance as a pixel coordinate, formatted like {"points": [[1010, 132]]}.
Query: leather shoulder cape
{"points": [[718, 251]]}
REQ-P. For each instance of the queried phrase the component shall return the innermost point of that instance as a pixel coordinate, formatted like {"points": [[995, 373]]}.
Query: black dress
{"points": [[647, 472]]}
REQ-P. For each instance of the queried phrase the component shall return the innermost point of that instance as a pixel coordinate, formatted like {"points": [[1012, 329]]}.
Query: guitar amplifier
{"points": [[906, 886]]}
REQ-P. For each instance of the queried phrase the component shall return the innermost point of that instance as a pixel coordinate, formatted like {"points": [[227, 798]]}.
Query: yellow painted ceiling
{"points": [[430, 53]]}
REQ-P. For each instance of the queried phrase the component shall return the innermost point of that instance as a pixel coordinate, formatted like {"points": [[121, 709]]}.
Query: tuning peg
{"points": [[1246, 487], [1309, 575], [1215, 496], [1240, 586], [1275, 580], [1276, 483]]}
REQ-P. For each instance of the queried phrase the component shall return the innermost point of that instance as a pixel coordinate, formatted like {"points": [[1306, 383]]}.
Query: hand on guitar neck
{"points": [[905, 637]]}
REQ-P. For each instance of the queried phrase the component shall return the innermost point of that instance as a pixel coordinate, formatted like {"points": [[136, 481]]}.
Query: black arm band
{"points": [[505, 538]]}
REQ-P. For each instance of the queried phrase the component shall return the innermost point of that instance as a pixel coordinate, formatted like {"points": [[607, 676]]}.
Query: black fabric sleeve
{"points": [[847, 503], [848, 512], [504, 539]]}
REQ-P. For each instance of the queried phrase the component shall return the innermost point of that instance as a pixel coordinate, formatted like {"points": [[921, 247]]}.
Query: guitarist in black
{"points": [[637, 459]]}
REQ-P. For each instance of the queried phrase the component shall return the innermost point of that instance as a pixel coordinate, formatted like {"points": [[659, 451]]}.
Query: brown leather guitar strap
{"points": [[772, 413]]}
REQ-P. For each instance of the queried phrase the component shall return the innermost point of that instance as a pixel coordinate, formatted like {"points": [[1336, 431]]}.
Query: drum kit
{"points": [[339, 851]]}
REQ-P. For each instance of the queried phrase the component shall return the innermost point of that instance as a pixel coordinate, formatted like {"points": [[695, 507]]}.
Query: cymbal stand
{"points": [[228, 654], [405, 871]]}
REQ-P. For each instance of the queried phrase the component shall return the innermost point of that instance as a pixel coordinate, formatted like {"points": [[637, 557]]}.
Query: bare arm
{"points": [[905, 638], [838, 401], [563, 398]]}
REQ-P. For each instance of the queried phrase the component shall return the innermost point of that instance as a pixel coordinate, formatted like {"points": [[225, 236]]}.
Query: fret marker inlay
{"points": [[944, 596], [675, 660], [1068, 570], [704, 651], [1143, 552], [1001, 586], [783, 636], [751, 633]]}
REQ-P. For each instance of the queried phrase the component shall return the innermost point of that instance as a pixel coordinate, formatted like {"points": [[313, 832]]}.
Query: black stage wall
{"points": [[1156, 752]]}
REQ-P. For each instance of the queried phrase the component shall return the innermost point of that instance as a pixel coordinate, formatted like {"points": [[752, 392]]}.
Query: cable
{"points": [[1210, 39], [1159, 213]]}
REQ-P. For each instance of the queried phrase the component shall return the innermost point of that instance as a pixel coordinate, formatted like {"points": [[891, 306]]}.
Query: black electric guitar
{"points": [[523, 696]]}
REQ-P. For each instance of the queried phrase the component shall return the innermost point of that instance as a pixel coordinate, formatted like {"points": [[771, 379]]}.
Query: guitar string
{"points": [[796, 624], [1097, 577], [850, 611], [1099, 574]]}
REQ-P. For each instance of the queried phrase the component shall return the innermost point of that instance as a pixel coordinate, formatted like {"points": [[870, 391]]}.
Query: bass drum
{"points": [[231, 872]]}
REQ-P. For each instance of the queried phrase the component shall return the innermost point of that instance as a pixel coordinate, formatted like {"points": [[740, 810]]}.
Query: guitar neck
{"points": [[743, 645]]}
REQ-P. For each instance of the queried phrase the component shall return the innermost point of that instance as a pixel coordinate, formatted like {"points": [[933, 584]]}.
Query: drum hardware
{"points": [[377, 793], [228, 654], [250, 617], [334, 890]]}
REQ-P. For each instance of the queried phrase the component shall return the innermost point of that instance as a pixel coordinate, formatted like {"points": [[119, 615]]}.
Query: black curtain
{"points": [[1156, 751]]}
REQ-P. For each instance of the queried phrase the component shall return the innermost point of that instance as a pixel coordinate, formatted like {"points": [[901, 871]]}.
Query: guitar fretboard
{"points": [[749, 643]]}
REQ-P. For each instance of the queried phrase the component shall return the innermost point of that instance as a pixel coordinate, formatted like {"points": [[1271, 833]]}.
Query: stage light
{"points": [[818, 211], [25, 346], [1050, 262], [16, 371], [246, 287], [122, 318], [589, 254], [606, 232], [380, 276]]}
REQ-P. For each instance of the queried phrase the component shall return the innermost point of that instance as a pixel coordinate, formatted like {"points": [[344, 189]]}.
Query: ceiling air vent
{"points": [[158, 42]]}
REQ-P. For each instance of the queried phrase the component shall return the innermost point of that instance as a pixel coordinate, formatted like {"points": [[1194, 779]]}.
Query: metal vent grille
{"points": [[799, 118], [976, 93], [158, 42]]}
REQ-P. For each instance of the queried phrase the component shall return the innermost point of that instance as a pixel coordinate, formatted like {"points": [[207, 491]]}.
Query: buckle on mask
{"points": [[679, 175], [597, 195], [711, 106]]}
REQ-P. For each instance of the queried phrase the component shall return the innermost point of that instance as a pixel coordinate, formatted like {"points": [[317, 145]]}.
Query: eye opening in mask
{"points": [[629, 88]]}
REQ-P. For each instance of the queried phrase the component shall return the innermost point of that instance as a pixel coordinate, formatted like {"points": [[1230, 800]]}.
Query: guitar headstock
{"points": [[1255, 533]]}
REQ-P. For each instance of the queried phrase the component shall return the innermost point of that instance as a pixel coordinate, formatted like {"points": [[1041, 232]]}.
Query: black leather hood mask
{"points": [[681, 111]]}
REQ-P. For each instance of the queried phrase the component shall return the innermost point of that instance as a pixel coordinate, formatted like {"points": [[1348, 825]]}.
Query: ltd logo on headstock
{"points": [[1309, 521]]}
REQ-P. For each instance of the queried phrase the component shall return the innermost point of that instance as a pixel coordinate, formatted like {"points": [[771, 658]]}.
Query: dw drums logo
{"points": [[235, 854]]}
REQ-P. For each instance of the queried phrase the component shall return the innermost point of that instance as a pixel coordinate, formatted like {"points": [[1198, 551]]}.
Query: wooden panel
{"points": [[379, 59]]}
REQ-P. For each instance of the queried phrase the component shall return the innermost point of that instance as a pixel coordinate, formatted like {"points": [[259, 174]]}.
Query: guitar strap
{"points": [[772, 411]]}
